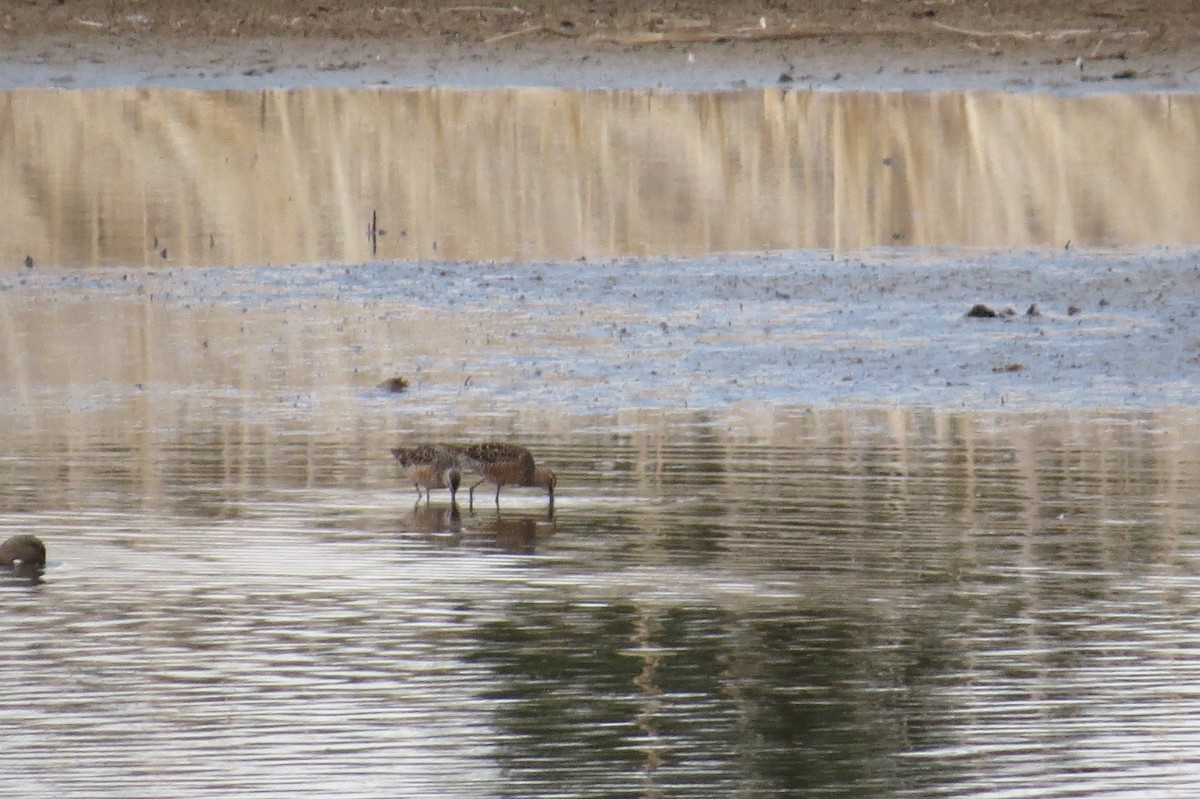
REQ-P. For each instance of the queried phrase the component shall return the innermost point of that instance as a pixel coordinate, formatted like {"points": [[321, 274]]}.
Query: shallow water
{"points": [[816, 532], [839, 602]]}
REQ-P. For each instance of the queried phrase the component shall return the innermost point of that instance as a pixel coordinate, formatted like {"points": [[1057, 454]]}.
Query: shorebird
{"points": [[505, 464], [24, 554], [432, 466]]}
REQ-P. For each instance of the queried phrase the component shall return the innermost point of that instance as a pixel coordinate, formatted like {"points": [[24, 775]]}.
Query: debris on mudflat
{"points": [[1072, 310], [1033, 310], [394, 384], [981, 311], [1009, 367]]}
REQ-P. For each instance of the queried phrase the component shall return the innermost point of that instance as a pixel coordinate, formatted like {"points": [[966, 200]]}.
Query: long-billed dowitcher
{"points": [[432, 466], [24, 554], [505, 464]]}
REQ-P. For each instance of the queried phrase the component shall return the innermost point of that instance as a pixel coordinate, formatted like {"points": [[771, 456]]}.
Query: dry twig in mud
{"points": [[487, 10], [692, 36], [755, 35], [1048, 35], [532, 29], [1114, 55]]}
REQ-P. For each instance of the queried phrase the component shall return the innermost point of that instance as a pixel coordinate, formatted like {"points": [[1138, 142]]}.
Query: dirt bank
{"points": [[1058, 44]]}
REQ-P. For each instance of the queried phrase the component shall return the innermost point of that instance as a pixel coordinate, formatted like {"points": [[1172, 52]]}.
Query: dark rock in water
{"points": [[981, 311], [394, 384]]}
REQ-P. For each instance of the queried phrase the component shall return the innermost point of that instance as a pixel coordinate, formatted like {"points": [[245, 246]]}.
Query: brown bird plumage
{"points": [[24, 554], [432, 466], [505, 464]]}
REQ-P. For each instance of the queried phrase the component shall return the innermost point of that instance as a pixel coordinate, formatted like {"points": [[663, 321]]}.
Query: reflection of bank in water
{"points": [[178, 177]]}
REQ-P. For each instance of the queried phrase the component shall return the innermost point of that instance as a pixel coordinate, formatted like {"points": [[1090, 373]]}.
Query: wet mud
{"points": [[791, 329]]}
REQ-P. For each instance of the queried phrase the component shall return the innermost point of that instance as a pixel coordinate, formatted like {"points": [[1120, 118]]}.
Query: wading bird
{"points": [[431, 466], [505, 464]]}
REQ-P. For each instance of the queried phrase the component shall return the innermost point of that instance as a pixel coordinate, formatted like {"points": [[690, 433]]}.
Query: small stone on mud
{"points": [[395, 385], [981, 311], [1072, 310], [1033, 310]]}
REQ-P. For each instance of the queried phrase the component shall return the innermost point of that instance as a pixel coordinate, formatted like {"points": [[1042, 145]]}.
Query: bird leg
{"points": [[471, 495]]}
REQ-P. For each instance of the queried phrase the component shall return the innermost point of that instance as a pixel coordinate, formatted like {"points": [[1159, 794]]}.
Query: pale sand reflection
{"points": [[286, 176]]}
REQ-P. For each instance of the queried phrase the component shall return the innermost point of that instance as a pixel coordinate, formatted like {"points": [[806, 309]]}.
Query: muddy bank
{"points": [[1058, 45]]}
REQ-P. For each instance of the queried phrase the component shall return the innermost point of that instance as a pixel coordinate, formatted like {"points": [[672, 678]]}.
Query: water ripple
{"points": [[997, 617]]}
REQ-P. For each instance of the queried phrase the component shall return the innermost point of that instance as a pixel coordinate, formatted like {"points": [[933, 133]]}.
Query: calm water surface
{"points": [[846, 603], [817, 534]]}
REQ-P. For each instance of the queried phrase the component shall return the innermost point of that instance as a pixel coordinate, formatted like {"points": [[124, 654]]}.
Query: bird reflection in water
{"points": [[434, 519], [508, 532], [517, 534]]}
